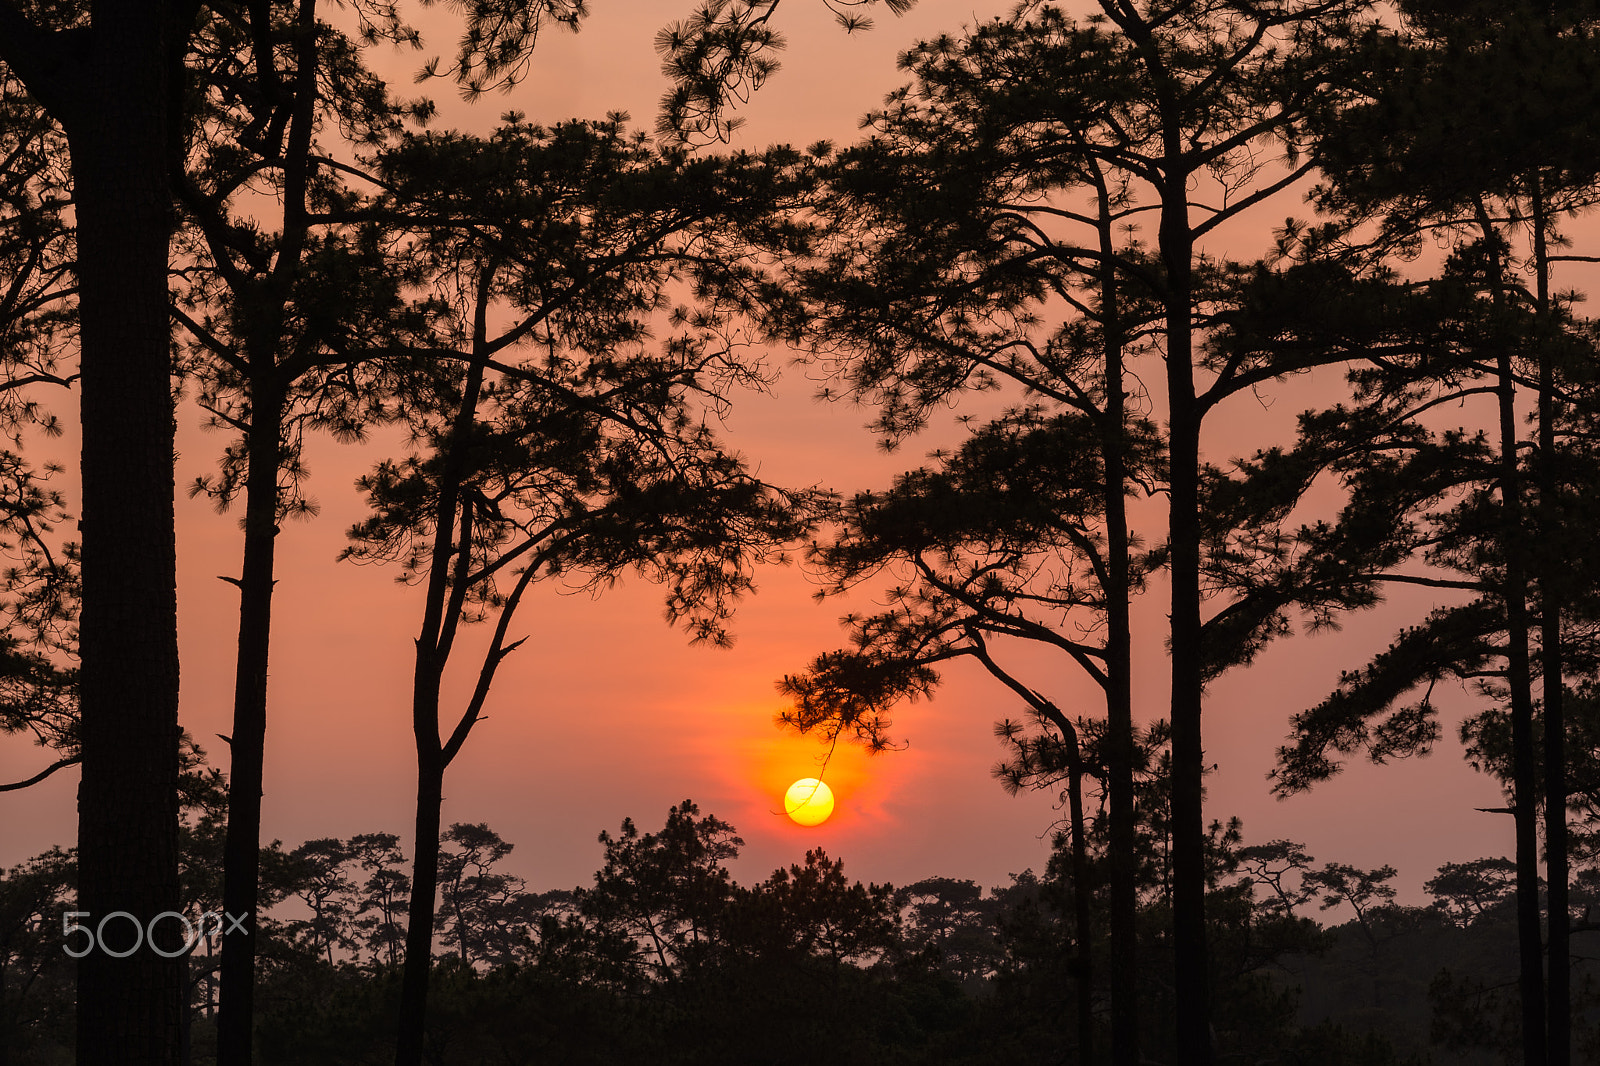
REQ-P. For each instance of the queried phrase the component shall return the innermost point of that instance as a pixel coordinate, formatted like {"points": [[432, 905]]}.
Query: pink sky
{"points": [[606, 713]]}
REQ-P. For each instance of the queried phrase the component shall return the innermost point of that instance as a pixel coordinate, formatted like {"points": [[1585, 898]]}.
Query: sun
{"points": [[808, 801]]}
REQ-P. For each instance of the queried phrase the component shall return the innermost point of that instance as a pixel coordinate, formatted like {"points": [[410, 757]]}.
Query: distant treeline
{"points": [[664, 958]]}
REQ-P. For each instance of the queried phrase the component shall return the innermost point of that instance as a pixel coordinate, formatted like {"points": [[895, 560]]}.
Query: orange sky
{"points": [[606, 713]]}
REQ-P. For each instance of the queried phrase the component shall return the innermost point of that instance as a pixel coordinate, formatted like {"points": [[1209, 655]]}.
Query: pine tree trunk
{"points": [[269, 385], [424, 889], [242, 851], [1083, 915], [447, 571], [1525, 807], [1558, 993], [129, 1009], [1191, 979], [1119, 677]]}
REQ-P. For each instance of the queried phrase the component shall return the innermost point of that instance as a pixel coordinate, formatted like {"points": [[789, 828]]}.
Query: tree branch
{"points": [[59, 764]]}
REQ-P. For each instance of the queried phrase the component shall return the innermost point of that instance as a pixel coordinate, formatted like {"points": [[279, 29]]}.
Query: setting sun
{"points": [[808, 801]]}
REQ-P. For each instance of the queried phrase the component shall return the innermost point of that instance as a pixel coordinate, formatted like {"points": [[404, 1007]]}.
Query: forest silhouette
{"points": [[226, 202], [663, 957]]}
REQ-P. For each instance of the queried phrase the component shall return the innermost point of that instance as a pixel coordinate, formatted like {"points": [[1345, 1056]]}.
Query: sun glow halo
{"points": [[808, 801]]}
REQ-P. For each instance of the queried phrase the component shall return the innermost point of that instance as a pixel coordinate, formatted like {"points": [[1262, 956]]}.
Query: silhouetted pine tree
{"points": [[1525, 73], [105, 74], [277, 320], [1035, 147], [554, 438], [38, 689]]}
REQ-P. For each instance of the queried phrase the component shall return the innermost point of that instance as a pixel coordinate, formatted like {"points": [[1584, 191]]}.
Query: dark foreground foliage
{"points": [[666, 959]]}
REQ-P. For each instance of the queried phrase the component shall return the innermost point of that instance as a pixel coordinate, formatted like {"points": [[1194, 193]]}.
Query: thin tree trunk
{"points": [[447, 572], [1082, 966], [266, 302], [1119, 673], [1082, 900], [1525, 812], [1558, 995], [129, 1009], [424, 887], [7, 1025], [242, 849]]}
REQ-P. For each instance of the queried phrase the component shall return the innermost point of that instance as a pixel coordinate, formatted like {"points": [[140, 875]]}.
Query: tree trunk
{"points": [[1191, 980], [1083, 916], [1558, 993], [447, 571], [1119, 677], [424, 888], [242, 850], [129, 1009], [265, 301], [1525, 807]]}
